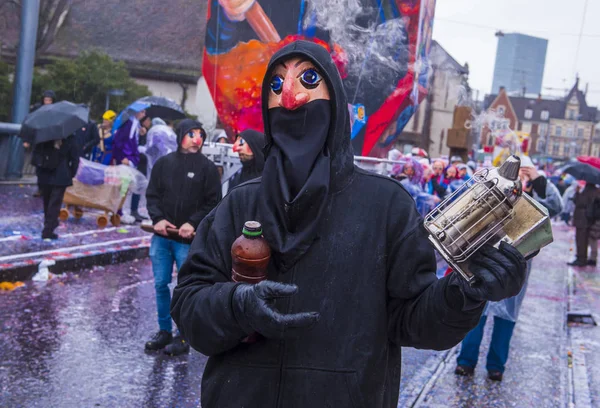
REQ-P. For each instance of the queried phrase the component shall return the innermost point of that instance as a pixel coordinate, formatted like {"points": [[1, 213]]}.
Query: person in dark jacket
{"points": [[249, 145], [584, 199], [184, 187], [352, 274], [87, 138], [56, 164]]}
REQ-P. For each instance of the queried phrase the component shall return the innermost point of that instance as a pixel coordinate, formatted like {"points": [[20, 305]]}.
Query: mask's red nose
{"points": [[291, 98], [236, 148], [197, 141]]}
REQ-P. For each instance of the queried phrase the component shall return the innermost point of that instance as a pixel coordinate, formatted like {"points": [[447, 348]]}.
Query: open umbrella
{"points": [[582, 171], [54, 122], [592, 161], [126, 113], [164, 108]]}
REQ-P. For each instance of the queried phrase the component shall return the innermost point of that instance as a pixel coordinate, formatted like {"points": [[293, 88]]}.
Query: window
{"points": [[558, 131], [543, 129], [555, 148], [545, 115], [539, 146], [580, 132], [569, 132], [501, 110], [528, 113], [566, 151], [571, 114]]}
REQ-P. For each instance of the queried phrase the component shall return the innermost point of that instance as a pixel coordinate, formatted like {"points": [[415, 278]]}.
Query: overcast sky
{"points": [[465, 28]]}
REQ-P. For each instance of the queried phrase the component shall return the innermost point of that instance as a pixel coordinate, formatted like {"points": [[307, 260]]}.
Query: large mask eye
{"points": [[277, 84], [310, 78]]}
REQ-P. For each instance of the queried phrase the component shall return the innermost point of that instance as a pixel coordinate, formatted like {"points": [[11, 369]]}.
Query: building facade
{"points": [[556, 128], [520, 61], [448, 87]]}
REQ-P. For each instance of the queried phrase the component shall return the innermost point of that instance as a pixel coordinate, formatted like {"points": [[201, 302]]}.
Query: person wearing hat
{"points": [[184, 187], [103, 151]]}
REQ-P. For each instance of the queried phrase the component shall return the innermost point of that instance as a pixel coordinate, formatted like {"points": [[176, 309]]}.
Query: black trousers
{"points": [[53, 197], [582, 236]]}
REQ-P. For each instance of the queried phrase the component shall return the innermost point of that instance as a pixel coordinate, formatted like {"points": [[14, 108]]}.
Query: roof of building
{"points": [[441, 59], [151, 34], [555, 107]]}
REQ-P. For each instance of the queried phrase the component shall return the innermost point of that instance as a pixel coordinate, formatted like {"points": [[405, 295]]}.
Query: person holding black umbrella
{"points": [[55, 154], [56, 163]]}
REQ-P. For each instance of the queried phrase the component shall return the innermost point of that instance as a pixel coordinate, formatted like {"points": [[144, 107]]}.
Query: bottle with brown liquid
{"points": [[250, 255]]}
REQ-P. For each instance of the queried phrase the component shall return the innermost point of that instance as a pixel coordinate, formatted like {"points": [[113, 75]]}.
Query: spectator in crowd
{"points": [[583, 219], [103, 151], [56, 164], [506, 312], [249, 144], [184, 187]]}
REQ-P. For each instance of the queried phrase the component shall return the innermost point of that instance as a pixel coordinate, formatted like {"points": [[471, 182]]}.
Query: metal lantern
{"points": [[475, 213]]}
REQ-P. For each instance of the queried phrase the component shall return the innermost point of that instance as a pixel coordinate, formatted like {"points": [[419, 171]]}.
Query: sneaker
{"points": [[49, 235], [591, 263], [159, 341], [495, 375], [178, 347], [577, 262], [127, 219], [464, 370]]}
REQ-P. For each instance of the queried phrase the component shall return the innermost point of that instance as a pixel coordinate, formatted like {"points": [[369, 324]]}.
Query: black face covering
{"points": [[300, 136]]}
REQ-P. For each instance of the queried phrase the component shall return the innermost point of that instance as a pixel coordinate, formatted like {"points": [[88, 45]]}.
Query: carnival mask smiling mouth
{"points": [[294, 83]]}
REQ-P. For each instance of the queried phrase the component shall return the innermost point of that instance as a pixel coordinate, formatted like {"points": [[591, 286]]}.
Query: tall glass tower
{"points": [[520, 61]]}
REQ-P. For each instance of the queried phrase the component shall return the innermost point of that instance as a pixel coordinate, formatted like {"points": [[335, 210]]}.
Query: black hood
{"points": [[338, 141], [292, 214], [185, 126], [256, 140]]}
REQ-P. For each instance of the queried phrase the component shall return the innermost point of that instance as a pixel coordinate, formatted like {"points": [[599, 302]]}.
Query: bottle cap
{"points": [[252, 229]]}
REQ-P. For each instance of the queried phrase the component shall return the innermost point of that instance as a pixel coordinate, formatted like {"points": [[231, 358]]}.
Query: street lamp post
{"points": [[11, 148], [113, 92]]}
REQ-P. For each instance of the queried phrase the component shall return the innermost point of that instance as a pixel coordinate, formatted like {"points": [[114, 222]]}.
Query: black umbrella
{"points": [[54, 122], [582, 171], [164, 108]]}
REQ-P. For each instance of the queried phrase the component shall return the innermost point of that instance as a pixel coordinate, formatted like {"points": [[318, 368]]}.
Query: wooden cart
{"points": [[104, 197]]}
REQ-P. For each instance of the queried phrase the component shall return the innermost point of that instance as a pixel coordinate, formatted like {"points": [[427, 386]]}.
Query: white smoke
{"points": [[374, 51]]}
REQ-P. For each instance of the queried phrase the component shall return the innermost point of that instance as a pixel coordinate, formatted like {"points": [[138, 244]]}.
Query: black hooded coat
{"points": [[364, 263], [253, 168], [183, 188]]}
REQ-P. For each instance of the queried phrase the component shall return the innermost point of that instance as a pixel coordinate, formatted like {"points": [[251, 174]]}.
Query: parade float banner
{"points": [[380, 47]]}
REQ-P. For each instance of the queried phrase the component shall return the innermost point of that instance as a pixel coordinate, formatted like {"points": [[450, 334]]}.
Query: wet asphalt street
{"points": [[77, 341]]}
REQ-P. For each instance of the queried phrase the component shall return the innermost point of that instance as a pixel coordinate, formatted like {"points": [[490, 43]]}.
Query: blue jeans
{"points": [[499, 346], [163, 252]]}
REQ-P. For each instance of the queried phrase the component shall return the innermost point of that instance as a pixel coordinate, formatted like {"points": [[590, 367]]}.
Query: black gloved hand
{"points": [[253, 311], [500, 273]]}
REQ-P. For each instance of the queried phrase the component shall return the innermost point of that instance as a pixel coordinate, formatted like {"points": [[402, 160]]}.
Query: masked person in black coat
{"points": [[249, 144], [184, 187], [352, 273], [56, 164]]}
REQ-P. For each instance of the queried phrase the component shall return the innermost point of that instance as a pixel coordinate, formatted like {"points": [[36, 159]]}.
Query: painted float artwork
{"points": [[380, 47]]}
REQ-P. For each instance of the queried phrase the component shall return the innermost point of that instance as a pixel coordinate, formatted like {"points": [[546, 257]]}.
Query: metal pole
{"points": [[13, 150]]}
